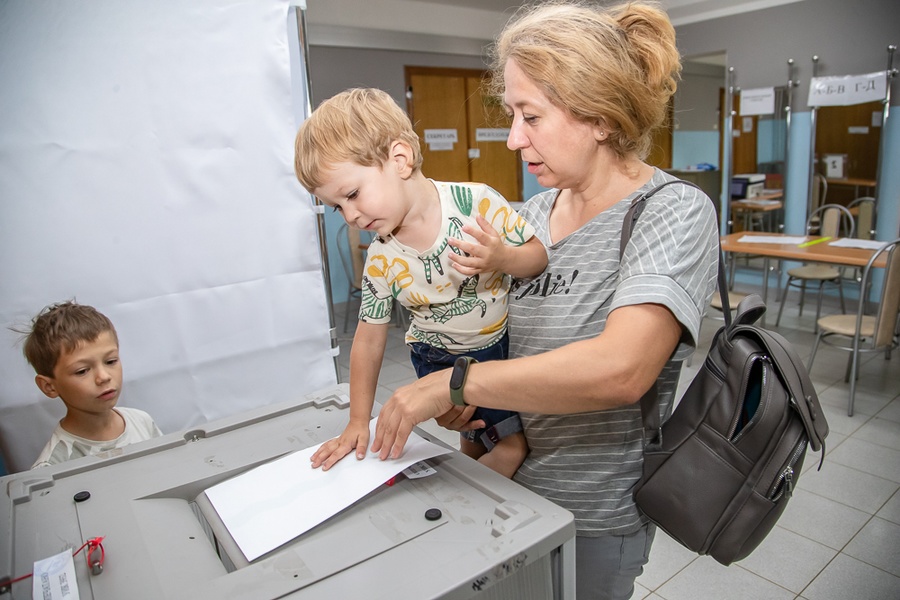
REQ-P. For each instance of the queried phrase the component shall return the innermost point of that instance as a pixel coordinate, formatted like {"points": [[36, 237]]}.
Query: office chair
{"points": [[848, 332], [830, 220]]}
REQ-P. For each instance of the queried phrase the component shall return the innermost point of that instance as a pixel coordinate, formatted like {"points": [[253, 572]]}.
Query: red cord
{"points": [[92, 545]]}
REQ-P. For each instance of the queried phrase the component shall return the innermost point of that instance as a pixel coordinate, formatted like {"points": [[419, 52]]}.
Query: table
{"points": [[766, 204], [855, 183], [820, 253]]}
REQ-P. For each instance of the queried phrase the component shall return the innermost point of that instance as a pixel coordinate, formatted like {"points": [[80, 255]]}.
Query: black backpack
{"points": [[720, 471]]}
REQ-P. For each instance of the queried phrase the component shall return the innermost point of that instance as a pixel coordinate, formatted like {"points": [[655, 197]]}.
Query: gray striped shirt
{"points": [[590, 462]]}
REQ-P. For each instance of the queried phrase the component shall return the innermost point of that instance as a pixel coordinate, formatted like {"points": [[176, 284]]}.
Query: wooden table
{"points": [[766, 203], [820, 253], [855, 183]]}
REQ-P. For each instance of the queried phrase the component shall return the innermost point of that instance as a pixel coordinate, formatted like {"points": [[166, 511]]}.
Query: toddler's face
{"points": [[89, 378], [368, 198]]}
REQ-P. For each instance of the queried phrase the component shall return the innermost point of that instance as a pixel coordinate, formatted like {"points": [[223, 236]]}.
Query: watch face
{"points": [[459, 373]]}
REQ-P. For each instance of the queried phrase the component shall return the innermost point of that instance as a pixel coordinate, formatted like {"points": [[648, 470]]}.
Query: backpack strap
{"points": [[634, 212], [650, 400]]}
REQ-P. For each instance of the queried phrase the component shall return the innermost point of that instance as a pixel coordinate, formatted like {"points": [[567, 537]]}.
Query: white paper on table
{"points": [[274, 503], [53, 578], [854, 243], [773, 239]]}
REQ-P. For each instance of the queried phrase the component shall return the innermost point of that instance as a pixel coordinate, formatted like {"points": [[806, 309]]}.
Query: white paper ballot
{"points": [[274, 503], [772, 239], [54, 578], [855, 243]]}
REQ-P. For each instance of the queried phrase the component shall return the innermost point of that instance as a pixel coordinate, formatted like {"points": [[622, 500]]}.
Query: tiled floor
{"points": [[839, 538]]}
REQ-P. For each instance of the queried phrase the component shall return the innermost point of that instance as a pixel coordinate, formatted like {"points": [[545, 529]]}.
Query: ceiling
{"points": [[460, 26], [680, 11]]}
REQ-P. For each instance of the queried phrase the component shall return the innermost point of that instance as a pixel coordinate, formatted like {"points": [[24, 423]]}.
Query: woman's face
{"points": [[559, 150]]}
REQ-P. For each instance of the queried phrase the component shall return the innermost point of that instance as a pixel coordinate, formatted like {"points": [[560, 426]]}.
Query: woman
{"points": [[584, 88]]}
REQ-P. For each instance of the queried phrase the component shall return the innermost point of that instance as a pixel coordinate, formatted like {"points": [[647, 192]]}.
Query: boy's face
{"points": [[369, 198], [89, 378]]}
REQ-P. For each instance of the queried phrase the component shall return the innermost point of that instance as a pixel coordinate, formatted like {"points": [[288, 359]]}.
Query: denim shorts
{"points": [[428, 359]]}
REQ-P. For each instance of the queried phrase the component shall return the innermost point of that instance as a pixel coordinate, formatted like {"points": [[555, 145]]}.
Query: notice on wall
{"points": [[491, 135], [846, 90], [758, 101], [441, 139]]}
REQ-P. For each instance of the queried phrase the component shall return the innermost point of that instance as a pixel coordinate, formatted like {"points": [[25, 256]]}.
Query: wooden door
{"points": [[452, 100], [490, 161], [849, 130], [743, 140], [661, 146]]}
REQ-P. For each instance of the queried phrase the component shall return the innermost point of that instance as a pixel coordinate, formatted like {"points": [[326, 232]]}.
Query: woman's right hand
{"points": [[458, 419], [355, 435]]}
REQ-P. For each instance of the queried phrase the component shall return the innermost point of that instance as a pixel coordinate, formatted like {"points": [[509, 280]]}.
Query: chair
{"points": [[819, 191], [734, 298], [864, 209], [832, 220], [848, 332]]}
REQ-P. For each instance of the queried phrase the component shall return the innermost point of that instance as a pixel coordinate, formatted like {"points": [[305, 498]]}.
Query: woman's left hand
{"points": [[486, 254]]}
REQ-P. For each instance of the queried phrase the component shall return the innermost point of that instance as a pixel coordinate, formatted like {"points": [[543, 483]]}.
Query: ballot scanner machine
{"points": [[461, 532]]}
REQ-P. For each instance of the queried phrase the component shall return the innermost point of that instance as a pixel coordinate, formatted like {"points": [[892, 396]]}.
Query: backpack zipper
{"points": [[784, 483], [737, 415]]}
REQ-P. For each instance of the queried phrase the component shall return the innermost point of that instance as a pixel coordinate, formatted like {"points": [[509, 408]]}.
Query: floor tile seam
{"points": [[844, 504], [870, 442]]}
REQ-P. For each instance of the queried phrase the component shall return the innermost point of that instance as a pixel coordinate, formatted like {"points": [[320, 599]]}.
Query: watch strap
{"points": [[458, 379]]}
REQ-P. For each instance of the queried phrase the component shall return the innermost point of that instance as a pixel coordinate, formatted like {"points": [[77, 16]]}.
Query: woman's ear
{"points": [[601, 130], [401, 158]]}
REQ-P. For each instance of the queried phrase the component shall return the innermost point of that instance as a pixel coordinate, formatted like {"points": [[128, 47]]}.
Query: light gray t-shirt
{"points": [[64, 446], [589, 462]]}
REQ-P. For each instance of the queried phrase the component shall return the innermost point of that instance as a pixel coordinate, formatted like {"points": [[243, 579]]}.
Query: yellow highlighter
{"points": [[811, 242]]}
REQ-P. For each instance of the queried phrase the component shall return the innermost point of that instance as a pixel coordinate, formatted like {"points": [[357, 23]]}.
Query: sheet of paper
{"points": [[773, 239], [54, 578], [854, 243], [274, 503]]}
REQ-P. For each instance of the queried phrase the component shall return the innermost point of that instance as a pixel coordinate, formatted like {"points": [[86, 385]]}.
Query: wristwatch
{"points": [[458, 379]]}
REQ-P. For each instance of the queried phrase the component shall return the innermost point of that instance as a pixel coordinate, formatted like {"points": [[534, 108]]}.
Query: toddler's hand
{"points": [[337, 448]]}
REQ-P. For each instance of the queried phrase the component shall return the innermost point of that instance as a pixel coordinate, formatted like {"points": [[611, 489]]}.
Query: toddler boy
{"points": [[445, 251]]}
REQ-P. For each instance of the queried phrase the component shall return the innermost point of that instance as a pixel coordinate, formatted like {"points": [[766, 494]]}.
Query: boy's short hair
{"points": [[358, 125], [61, 327]]}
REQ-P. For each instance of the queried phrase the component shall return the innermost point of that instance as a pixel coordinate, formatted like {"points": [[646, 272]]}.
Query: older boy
{"points": [[75, 351], [445, 251]]}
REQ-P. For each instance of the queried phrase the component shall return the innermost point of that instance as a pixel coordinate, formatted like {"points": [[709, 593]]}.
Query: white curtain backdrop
{"points": [[146, 154]]}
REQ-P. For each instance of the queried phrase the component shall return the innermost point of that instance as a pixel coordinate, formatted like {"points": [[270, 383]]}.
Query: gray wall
{"points": [[334, 69], [697, 98]]}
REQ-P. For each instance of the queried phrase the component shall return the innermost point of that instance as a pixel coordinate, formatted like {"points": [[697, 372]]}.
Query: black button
{"points": [[82, 496], [433, 514]]}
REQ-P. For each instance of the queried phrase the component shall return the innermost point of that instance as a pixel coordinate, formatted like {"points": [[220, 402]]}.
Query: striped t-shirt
{"points": [[589, 462]]}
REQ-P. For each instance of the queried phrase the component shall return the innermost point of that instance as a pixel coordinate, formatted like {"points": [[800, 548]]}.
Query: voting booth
{"points": [[461, 532]]}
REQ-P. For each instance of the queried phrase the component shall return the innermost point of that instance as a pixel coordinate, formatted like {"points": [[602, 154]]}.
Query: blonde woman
{"points": [[585, 87]]}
